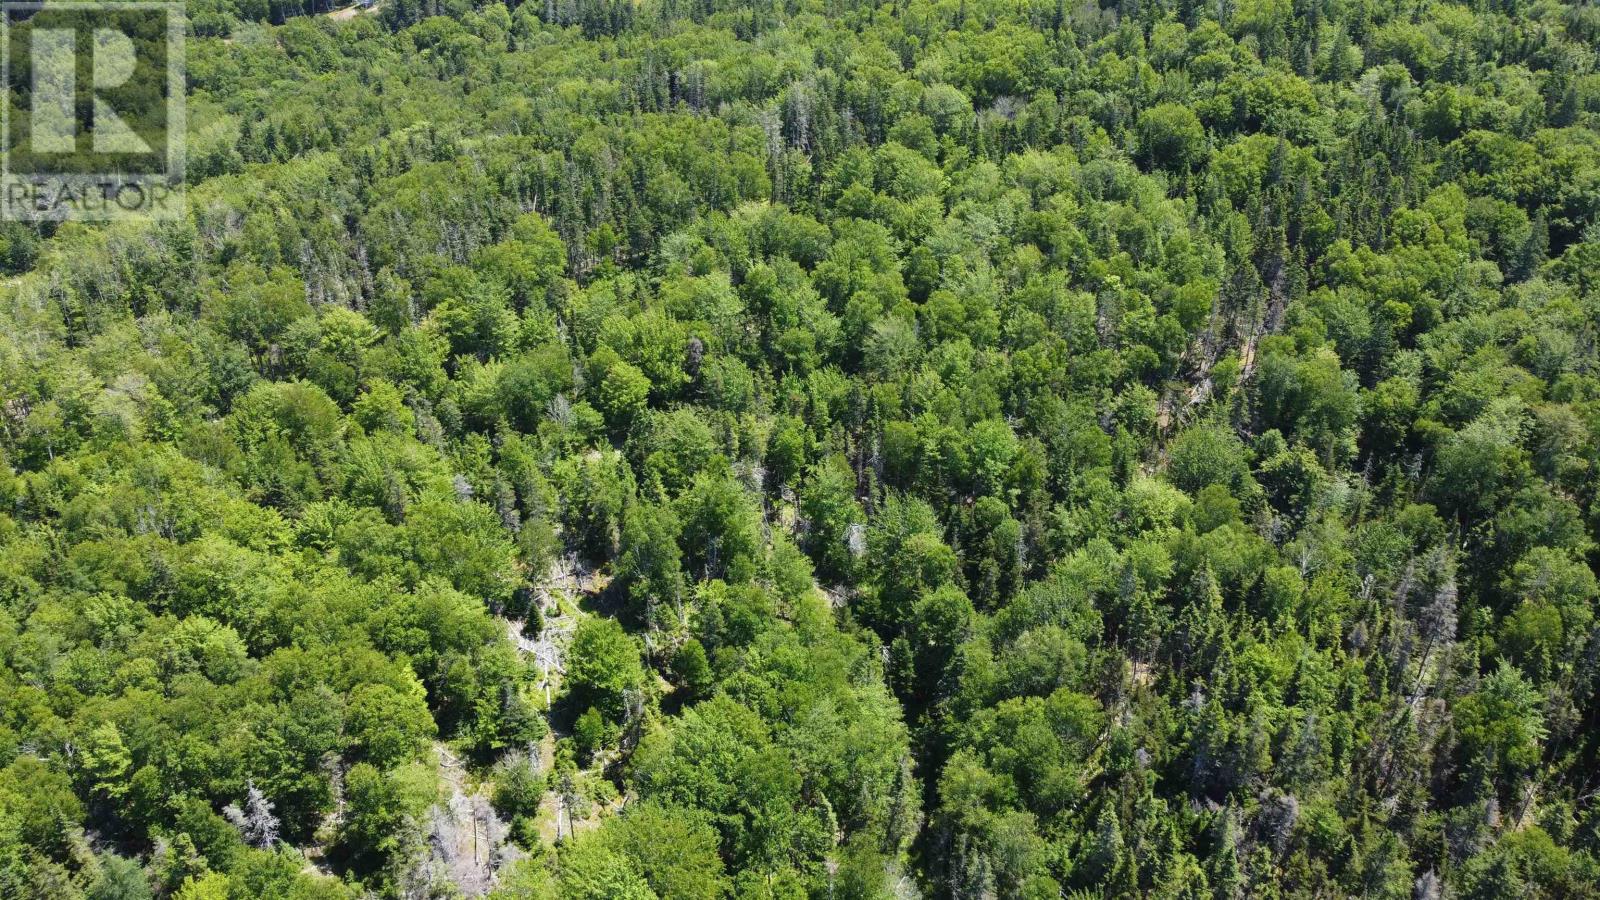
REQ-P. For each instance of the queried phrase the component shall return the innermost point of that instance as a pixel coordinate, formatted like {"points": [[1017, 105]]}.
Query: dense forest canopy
{"points": [[821, 448]]}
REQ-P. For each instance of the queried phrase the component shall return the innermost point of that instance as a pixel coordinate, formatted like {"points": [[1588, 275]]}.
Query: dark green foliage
{"points": [[1011, 450]]}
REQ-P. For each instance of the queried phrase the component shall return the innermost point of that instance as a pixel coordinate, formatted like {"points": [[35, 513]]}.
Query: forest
{"points": [[838, 449]]}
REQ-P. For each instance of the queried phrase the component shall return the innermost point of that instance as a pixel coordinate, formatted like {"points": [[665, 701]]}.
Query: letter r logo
{"points": [[92, 121], [54, 58]]}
